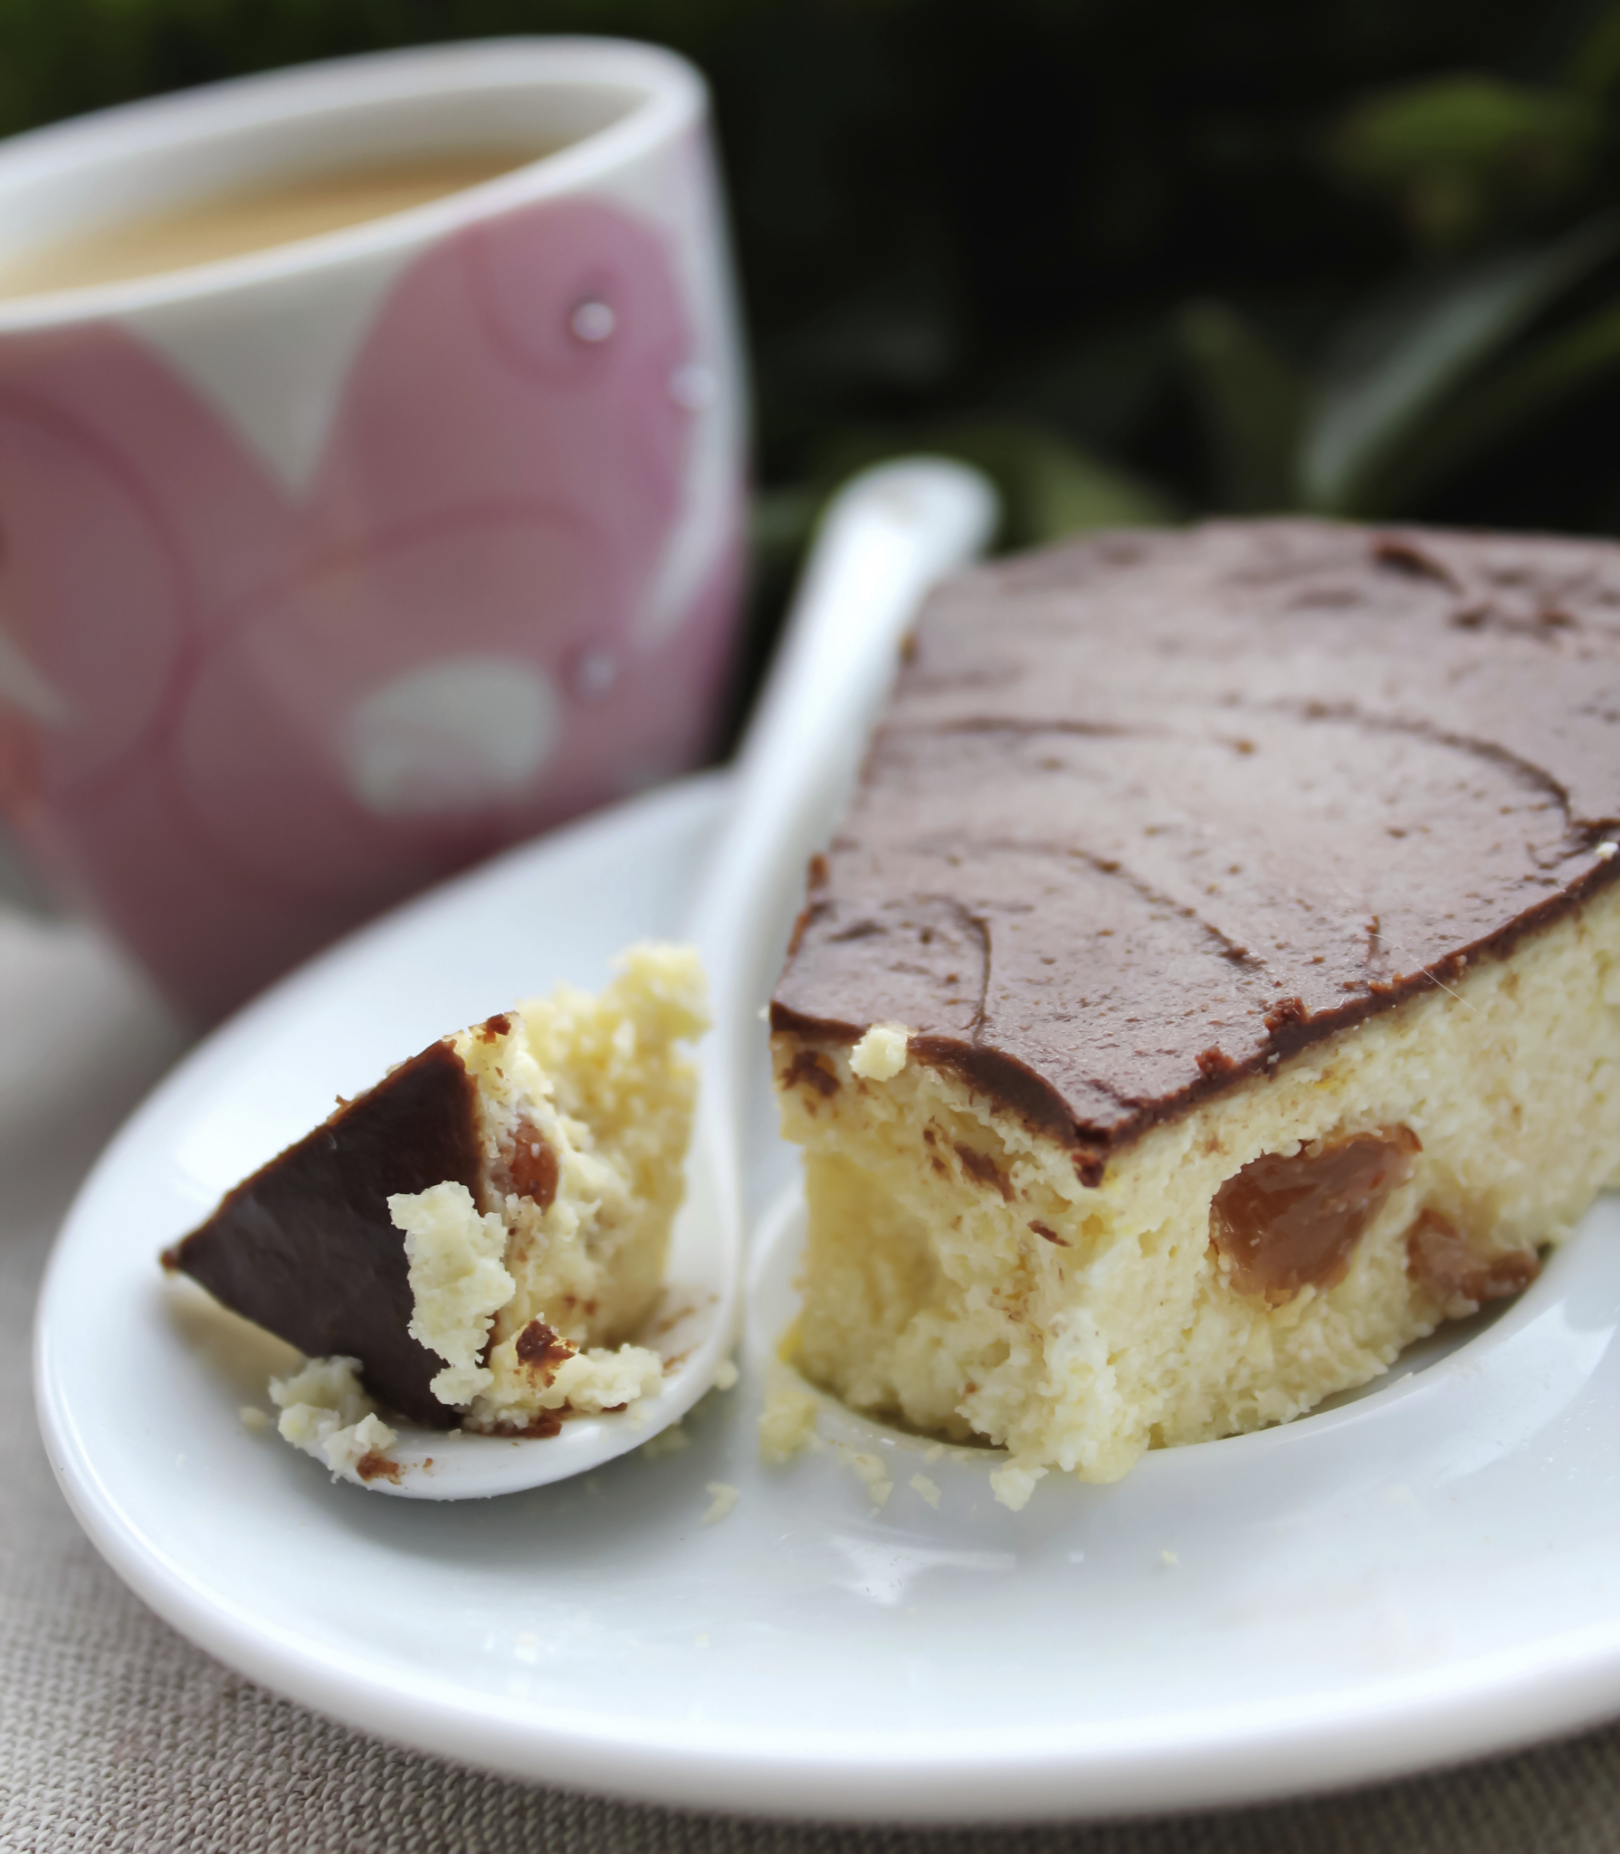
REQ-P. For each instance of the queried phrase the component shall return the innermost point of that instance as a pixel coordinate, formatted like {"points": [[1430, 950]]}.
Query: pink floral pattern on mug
{"points": [[237, 717]]}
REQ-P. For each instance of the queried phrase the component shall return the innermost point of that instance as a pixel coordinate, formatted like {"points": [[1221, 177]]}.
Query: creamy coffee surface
{"points": [[231, 224]]}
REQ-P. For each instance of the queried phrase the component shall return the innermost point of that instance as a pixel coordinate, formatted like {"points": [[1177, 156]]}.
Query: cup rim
{"points": [[673, 96]]}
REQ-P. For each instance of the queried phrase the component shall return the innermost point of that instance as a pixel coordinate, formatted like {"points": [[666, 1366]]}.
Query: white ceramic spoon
{"points": [[886, 538]]}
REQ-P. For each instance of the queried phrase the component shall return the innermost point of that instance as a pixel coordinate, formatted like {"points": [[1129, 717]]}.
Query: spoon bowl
{"points": [[694, 1327]]}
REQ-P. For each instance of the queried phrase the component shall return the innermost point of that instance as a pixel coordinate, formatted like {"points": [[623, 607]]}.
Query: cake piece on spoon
{"points": [[1215, 984], [475, 1240]]}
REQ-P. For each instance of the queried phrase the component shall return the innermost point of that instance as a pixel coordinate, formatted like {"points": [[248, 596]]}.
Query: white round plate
{"points": [[1428, 1572]]}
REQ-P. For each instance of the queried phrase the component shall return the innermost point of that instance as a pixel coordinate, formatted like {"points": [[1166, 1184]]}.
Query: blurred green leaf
{"points": [[1517, 394], [1049, 487], [1254, 404], [1403, 356], [1056, 488], [1594, 65], [1458, 154], [781, 523]]}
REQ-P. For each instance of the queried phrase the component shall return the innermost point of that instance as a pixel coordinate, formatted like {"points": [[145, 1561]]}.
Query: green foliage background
{"points": [[1140, 258]]}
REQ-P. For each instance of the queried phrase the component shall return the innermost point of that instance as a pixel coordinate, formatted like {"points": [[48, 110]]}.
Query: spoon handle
{"points": [[883, 541]]}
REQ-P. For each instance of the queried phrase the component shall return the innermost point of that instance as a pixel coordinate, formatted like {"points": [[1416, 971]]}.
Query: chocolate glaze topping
{"points": [[306, 1248], [1152, 811]]}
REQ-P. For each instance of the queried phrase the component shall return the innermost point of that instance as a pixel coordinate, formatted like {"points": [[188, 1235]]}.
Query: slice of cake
{"points": [[474, 1240], [1215, 984]]}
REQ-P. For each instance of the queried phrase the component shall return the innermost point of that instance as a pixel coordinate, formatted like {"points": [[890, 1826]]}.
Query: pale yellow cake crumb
{"points": [[787, 1423], [326, 1412], [880, 1055], [252, 1417], [725, 1375], [723, 1498], [458, 1282], [929, 1490], [668, 1441], [603, 1379], [1013, 1483], [872, 1470]]}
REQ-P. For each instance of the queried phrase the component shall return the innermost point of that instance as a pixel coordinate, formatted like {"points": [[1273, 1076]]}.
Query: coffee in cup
{"points": [[228, 225]]}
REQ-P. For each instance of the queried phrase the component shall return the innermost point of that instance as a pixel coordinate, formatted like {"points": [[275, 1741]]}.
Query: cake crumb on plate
{"points": [[872, 1469], [787, 1424], [723, 1498], [1013, 1482]]}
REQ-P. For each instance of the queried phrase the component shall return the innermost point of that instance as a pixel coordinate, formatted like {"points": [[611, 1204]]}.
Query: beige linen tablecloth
{"points": [[115, 1734]]}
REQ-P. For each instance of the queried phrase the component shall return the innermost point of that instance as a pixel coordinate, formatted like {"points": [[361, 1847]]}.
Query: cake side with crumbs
{"points": [[475, 1241], [1215, 983]]}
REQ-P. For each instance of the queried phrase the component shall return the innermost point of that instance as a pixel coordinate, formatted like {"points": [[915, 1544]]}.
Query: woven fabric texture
{"points": [[118, 1737]]}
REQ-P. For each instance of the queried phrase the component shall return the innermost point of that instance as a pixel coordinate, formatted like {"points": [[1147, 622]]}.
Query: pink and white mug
{"points": [[328, 568]]}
